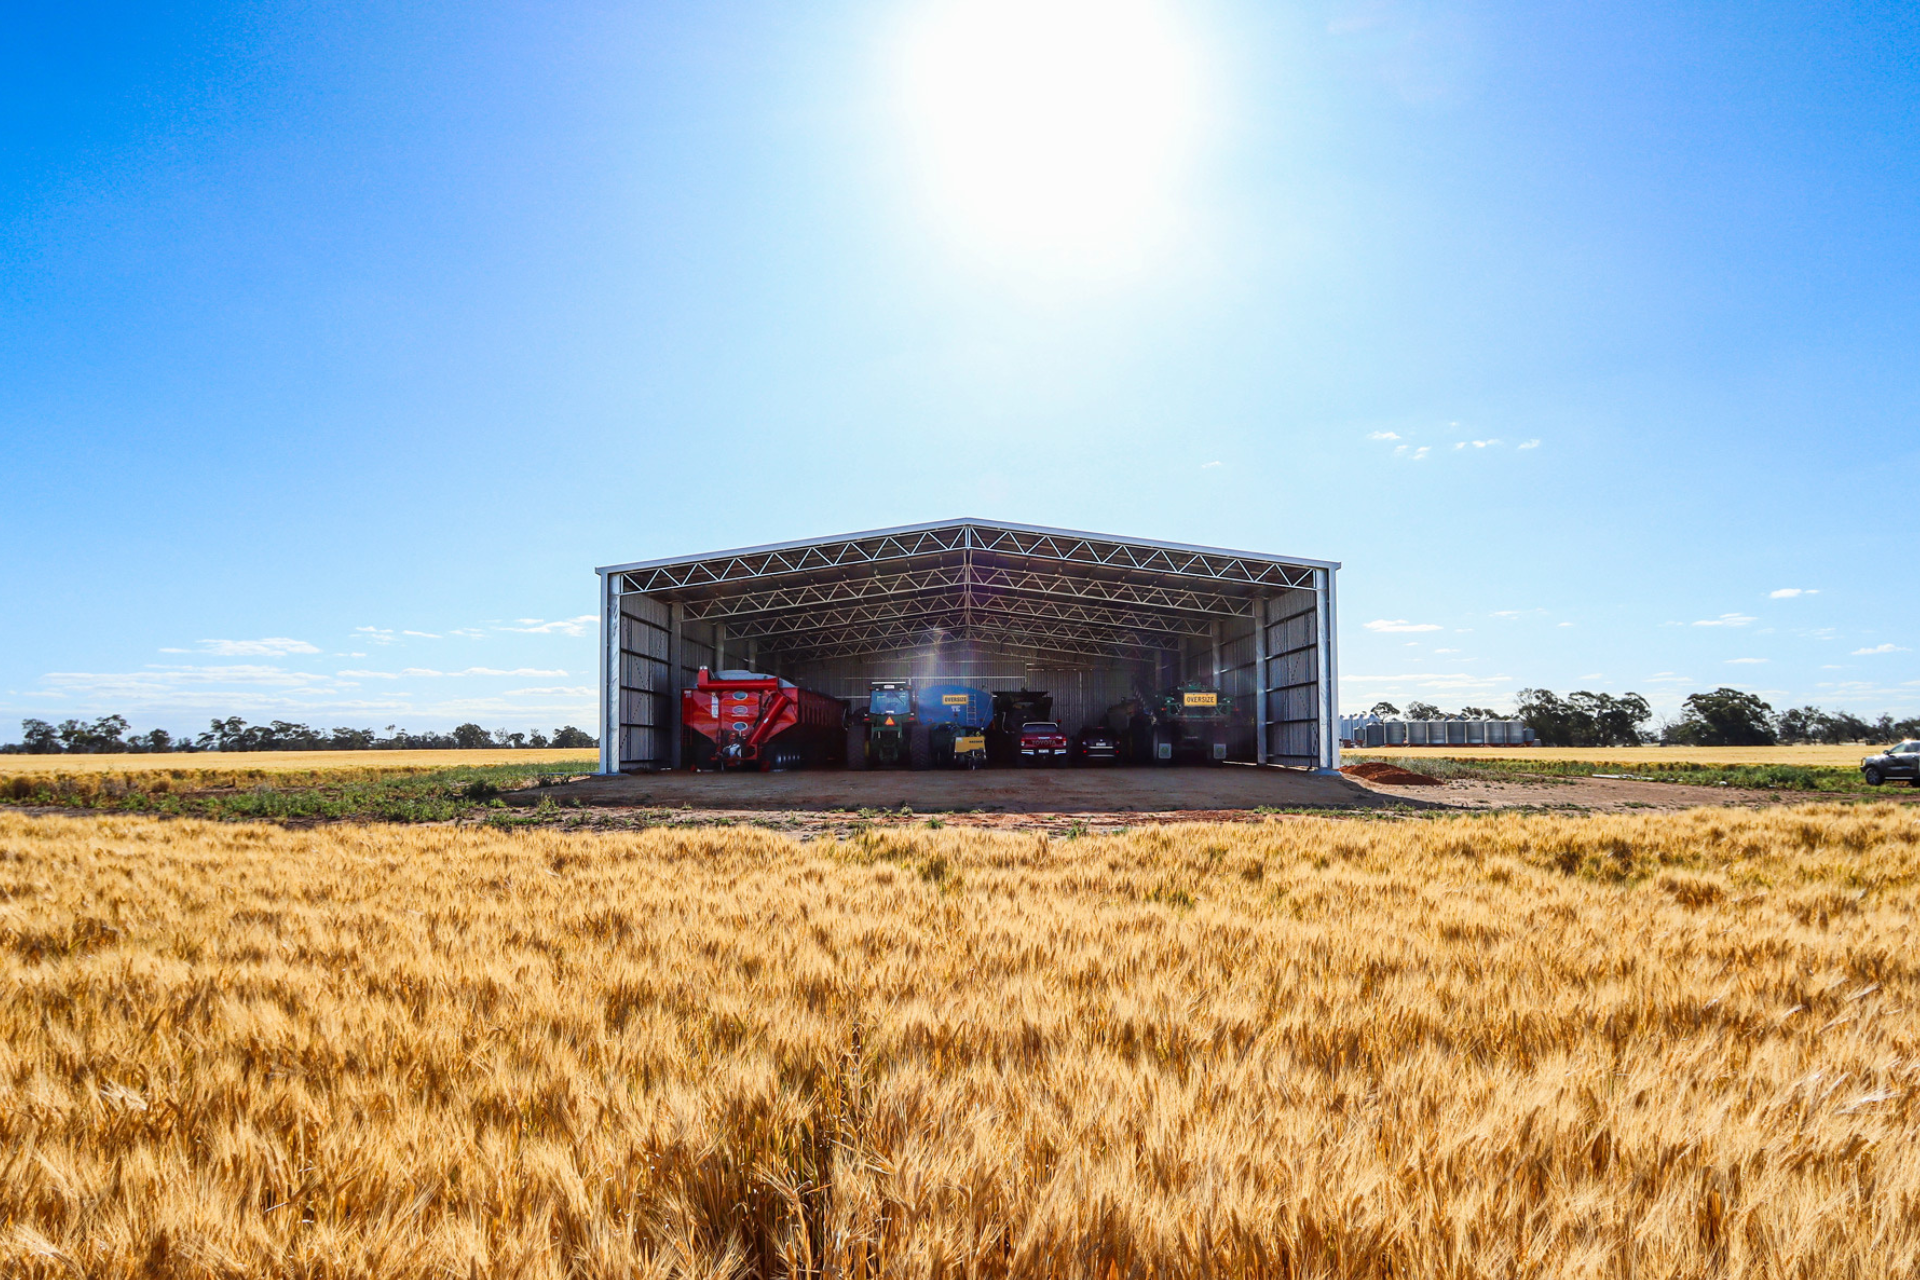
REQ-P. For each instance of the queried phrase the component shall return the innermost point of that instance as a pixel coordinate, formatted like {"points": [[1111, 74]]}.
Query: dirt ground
{"points": [[1094, 790], [1087, 800], [1599, 795]]}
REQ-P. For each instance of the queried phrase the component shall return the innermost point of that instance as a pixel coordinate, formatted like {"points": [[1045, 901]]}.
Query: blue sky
{"points": [[338, 343]]}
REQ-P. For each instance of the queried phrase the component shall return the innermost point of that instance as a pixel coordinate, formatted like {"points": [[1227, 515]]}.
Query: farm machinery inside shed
{"points": [[1097, 622]]}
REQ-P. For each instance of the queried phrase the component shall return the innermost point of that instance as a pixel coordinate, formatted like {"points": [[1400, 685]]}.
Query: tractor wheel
{"points": [[919, 747], [856, 746]]}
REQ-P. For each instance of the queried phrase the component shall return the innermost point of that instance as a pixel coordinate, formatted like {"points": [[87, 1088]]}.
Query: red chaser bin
{"points": [[742, 720]]}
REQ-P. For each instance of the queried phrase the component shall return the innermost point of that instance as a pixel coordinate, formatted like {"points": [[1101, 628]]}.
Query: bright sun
{"points": [[1053, 129]]}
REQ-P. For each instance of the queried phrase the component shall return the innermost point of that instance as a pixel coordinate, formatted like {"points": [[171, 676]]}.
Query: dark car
{"points": [[1902, 761], [1096, 745]]}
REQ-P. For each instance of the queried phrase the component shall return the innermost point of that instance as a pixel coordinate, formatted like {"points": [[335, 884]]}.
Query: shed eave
{"points": [[896, 530]]}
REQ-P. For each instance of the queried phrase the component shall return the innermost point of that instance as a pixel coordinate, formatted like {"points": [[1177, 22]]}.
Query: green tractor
{"points": [[1188, 722], [881, 733]]}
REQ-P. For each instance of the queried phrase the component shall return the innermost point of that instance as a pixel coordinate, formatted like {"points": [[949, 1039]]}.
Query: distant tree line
{"points": [[108, 735], [1724, 718]]}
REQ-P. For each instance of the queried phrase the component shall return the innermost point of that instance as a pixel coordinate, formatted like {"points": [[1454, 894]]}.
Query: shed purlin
{"points": [[1052, 598]]}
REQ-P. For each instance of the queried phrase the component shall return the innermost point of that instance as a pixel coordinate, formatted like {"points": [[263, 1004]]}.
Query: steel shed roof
{"points": [[1056, 591]]}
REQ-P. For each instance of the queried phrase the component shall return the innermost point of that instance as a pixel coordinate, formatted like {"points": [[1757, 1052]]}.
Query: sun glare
{"points": [[1052, 129]]}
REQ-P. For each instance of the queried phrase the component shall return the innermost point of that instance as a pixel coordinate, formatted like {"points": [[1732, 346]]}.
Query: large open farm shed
{"points": [[1090, 618]]}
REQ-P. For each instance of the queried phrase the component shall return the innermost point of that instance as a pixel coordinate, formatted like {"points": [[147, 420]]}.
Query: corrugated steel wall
{"points": [[1080, 694], [645, 714], [1293, 679]]}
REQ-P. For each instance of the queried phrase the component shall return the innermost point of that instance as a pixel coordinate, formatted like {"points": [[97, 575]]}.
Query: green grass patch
{"points": [[367, 795], [1758, 777]]}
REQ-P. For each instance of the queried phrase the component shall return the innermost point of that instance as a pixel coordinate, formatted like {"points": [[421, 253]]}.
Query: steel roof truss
{"points": [[953, 626], [984, 542], [997, 580]]}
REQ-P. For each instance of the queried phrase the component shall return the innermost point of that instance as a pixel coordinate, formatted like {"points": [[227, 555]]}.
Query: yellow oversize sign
{"points": [[1203, 699], [954, 699]]}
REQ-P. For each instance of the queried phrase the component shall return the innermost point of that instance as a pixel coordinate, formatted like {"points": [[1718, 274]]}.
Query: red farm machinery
{"points": [[744, 720]]}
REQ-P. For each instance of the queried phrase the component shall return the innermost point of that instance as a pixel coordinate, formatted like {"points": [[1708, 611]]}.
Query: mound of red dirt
{"points": [[1391, 775]]}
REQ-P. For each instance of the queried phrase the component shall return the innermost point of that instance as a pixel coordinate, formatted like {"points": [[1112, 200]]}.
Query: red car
{"points": [[1041, 742]]}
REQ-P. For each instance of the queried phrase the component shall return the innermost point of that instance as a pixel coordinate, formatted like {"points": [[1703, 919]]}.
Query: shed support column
{"points": [[1333, 665], [1260, 680], [1213, 635], [609, 674], [719, 647], [676, 679], [1325, 722]]}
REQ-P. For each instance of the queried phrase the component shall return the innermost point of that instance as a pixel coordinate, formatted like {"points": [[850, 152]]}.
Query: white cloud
{"points": [[428, 673], [1481, 444], [1459, 444], [262, 691], [1401, 624], [1207, 465], [1745, 662], [470, 633], [1788, 593], [1726, 620], [478, 671], [1565, 624], [1668, 677], [1888, 647], [1383, 435], [565, 626], [1529, 444], [1417, 455], [159, 677], [424, 635], [1440, 651], [271, 647], [1454, 680], [1506, 613], [377, 635]]}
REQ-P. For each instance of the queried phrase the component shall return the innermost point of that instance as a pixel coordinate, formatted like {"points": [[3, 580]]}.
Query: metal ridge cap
{"points": [[961, 522]]}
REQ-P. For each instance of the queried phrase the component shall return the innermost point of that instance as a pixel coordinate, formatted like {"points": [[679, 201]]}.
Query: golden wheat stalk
{"points": [[1668, 1045]]}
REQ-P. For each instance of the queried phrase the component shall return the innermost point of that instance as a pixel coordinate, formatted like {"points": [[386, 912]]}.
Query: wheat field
{"points": [[1510, 1045], [254, 762], [1844, 757]]}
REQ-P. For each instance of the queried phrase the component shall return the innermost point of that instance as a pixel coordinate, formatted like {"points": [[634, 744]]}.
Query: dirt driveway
{"points": [[807, 804], [1589, 794]]}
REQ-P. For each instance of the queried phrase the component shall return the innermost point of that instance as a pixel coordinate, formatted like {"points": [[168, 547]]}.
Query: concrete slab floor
{"points": [[1112, 789]]}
